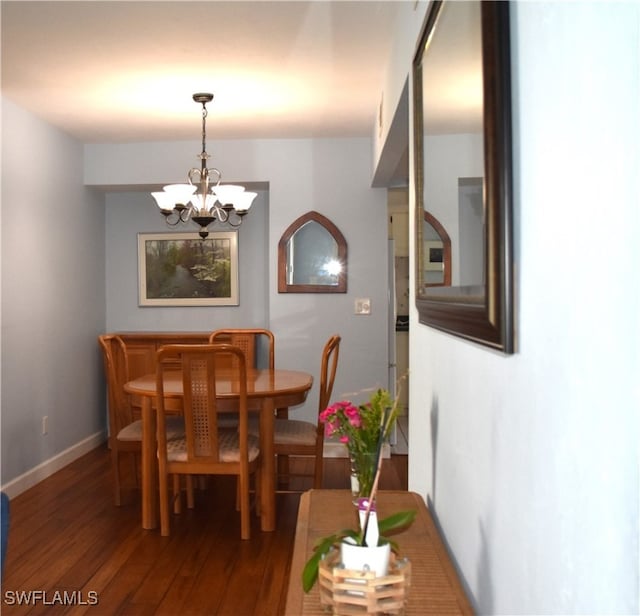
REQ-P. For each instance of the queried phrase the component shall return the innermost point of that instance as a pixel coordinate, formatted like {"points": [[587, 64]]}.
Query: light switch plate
{"points": [[363, 305]]}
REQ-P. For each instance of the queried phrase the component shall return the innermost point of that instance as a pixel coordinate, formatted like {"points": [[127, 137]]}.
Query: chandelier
{"points": [[204, 200]]}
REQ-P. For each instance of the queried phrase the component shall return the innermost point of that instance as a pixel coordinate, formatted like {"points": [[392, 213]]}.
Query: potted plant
{"points": [[363, 429]]}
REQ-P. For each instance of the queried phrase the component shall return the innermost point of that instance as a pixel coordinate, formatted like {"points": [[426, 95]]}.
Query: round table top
{"points": [[260, 383]]}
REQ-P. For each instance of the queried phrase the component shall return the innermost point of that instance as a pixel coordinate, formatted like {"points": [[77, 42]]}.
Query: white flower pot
{"points": [[364, 558]]}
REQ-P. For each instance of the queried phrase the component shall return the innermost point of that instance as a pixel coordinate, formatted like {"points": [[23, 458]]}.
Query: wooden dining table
{"points": [[267, 390]]}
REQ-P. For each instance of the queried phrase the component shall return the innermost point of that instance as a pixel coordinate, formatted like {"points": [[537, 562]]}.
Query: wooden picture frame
{"points": [[181, 269]]}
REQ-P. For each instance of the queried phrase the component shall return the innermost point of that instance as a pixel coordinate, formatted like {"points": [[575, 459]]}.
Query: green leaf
{"points": [[396, 521], [322, 547], [310, 571]]}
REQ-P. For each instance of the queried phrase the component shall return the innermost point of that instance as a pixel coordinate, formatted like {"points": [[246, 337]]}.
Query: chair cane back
{"points": [[258, 345]]}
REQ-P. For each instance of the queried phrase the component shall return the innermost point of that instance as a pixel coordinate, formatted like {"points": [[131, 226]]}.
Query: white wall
{"points": [[530, 461], [53, 302], [331, 176]]}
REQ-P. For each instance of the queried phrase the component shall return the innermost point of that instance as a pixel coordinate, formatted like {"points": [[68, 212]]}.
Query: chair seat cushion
{"points": [[133, 432], [294, 432], [228, 444]]}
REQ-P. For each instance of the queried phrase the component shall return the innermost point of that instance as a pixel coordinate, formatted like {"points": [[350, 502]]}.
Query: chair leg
{"points": [[134, 468], [190, 499], [318, 472], [115, 465], [256, 481], [283, 469], [245, 521], [164, 504], [177, 496]]}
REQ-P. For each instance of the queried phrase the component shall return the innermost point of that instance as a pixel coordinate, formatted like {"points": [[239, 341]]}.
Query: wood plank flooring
{"points": [[67, 536]]}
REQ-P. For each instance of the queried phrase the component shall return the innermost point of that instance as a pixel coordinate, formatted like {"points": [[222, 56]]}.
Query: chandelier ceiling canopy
{"points": [[204, 200]]}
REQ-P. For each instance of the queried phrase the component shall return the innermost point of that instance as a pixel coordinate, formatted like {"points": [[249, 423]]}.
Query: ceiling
{"points": [[117, 72]]}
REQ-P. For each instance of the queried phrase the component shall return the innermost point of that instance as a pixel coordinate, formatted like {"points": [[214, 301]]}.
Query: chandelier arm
{"points": [[223, 215], [172, 218], [239, 217], [217, 172], [185, 213], [194, 172]]}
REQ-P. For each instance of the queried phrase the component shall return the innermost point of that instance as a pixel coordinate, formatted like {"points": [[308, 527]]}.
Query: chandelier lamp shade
{"points": [[204, 200]]}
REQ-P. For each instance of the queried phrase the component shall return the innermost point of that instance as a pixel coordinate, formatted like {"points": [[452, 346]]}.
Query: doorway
{"points": [[392, 173], [398, 217]]}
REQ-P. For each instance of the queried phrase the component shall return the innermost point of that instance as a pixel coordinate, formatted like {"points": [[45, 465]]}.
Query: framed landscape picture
{"points": [[180, 269]]}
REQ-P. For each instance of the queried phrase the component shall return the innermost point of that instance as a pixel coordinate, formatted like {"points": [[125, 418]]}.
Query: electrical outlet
{"points": [[363, 305], [45, 421]]}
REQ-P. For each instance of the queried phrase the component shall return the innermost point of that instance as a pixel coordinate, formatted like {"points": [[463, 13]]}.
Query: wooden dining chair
{"points": [[294, 437], [258, 345], [125, 432], [206, 448]]}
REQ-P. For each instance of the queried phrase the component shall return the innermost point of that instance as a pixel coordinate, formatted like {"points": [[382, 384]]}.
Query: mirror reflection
{"points": [[453, 163], [312, 257], [470, 232]]}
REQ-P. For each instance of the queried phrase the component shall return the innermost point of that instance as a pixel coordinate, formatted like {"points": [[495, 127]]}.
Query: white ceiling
{"points": [[115, 71]]}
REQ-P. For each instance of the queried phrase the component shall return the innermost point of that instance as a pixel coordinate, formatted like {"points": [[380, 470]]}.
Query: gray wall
{"points": [[131, 213], [53, 297], [331, 176]]}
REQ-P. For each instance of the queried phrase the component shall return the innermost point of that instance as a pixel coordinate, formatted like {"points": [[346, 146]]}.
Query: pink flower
{"points": [[353, 415]]}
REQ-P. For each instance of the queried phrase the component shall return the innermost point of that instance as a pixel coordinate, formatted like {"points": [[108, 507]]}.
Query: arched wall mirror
{"points": [[462, 146], [312, 257], [436, 264]]}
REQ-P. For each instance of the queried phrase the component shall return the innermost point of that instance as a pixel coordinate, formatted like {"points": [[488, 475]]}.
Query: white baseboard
{"points": [[48, 467]]}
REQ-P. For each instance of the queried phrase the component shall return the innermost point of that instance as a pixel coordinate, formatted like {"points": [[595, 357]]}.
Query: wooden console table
{"points": [[435, 586]]}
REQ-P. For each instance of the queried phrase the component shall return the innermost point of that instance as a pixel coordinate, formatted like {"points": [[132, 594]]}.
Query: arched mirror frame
{"points": [[283, 285], [486, 318], [430, 219]]}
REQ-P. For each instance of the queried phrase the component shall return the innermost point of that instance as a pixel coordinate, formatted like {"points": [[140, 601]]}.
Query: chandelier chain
{"points": [[204, 154]]}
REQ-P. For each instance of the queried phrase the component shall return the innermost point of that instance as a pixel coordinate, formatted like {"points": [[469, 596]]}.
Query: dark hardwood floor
{"points": [[67, 536]]}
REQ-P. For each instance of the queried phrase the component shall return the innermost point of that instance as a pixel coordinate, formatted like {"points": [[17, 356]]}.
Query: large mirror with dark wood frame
{"points": [[462, 147], [312, 257]]}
